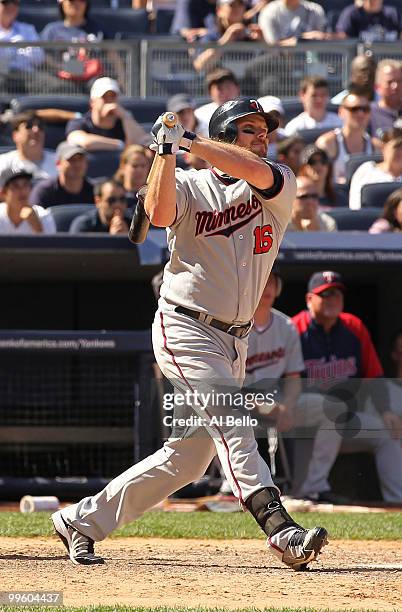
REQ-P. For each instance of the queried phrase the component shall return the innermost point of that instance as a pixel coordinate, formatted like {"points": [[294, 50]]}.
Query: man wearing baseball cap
{"points": [[222, 86], [71, 185], [336, 347], [107, 126], [17, 216]]}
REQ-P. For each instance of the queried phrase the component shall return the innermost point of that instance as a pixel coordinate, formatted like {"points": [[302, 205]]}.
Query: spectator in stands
{"points": [[108, 217], [17, 68], [17, 216], [370, 22], [229, 27], [71, 185], [289, 151], [107, 125], [77, 67], [192, 161], [314, 95], [192, 17], [284, 22], [391, 218], [184, 106], [29, 155], [388, 83], [133, 171], [75, 24], [351, 138], [222, 86], [273, 104], [306, 216], [386, 171], [362, 79], [316, 164], [336, 347]]}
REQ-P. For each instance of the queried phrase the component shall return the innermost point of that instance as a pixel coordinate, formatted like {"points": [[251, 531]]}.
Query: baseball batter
{"points": [[224, 228]]}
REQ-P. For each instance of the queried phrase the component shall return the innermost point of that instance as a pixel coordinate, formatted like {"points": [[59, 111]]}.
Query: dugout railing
{"points": [[161, 66]]}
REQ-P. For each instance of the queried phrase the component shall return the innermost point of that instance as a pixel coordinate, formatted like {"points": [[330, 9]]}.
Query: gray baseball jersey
{"points": [[273, 351], [224, 241]]}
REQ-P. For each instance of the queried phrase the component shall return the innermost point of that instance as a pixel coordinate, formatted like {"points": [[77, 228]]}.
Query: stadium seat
{"points": [[163, 20], [355, 220], [310, 136], [332, 20], [375, 194], [331, 5], [357, 160], [78, 104], [144, 110], [39, 16], [124, 23], [102, 164], [65, 214]]}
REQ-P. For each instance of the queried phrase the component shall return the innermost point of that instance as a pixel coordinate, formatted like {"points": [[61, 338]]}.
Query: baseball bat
{"points": [[140, 222]]}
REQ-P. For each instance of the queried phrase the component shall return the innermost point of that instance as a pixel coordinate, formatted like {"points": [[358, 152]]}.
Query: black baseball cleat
{"points": [[304, 546], [80, 547]]}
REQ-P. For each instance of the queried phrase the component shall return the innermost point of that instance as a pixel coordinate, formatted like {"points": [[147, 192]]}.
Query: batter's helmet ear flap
{"points": [[230, 133]]}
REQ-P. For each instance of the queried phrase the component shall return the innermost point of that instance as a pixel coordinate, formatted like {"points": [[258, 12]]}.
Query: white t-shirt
{"points": [[204, 114], [305, 122], [366, 174], [46, 168], [8, 227], [273, 351], [277, 22]]}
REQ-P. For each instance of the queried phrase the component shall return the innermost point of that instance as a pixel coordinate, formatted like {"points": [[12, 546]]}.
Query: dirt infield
{"points": [[239, 573]]}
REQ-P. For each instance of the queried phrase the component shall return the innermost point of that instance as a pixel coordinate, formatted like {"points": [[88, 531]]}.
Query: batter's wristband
{"points": [[165, 148], [187, 141]]}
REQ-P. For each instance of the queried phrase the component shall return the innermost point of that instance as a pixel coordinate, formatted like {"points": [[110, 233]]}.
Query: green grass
{"points": [[162, 609], [355, 526]]}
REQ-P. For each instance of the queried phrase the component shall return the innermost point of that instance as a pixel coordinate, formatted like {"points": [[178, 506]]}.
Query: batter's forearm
{"points": [[235, 161], [160, 201]]}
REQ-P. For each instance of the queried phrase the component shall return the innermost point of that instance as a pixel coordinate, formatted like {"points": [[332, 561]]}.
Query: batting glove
{"points": [[167, 141]]}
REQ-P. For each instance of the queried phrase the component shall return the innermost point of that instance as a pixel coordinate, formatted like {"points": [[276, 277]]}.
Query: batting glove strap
{"points": [[187, 141], [168, 148], [164, 149]]}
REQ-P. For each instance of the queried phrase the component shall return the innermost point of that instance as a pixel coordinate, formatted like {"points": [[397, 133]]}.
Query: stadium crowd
{"points": [[338, 147]]}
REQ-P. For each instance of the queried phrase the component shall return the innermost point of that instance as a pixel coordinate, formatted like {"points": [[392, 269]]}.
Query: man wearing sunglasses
{"points": [[108, 216], [305, 214], [350, 139], [29, 154], [337, 347], [15, 67]]}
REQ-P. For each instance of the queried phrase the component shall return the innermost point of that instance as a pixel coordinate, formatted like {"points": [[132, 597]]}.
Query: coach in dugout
{"points": [[337, 347]]}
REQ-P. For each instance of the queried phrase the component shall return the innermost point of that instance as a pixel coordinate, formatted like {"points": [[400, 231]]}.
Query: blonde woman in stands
{"points": [[133, 171]]}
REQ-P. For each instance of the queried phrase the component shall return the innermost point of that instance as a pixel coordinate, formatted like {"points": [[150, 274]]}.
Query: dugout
{"points": [[70, 416]]}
